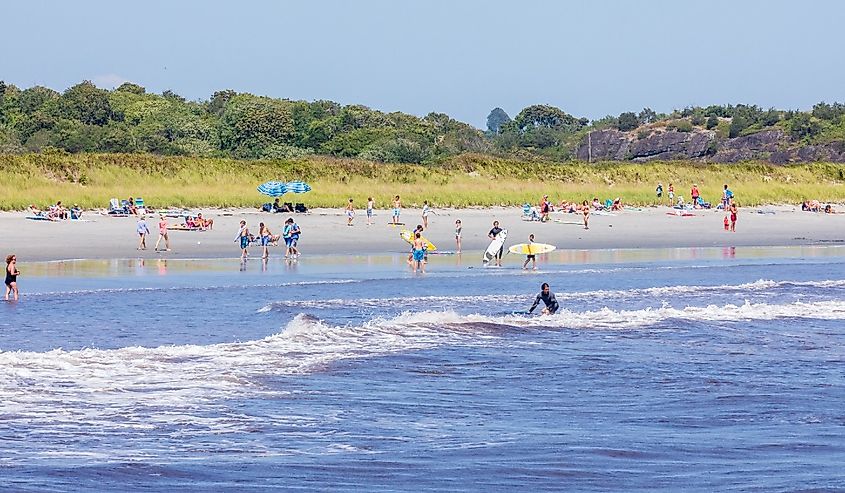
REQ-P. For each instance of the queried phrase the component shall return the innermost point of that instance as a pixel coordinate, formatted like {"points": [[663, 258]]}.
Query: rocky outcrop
{"points": [[672, 145], [755, 146], [662, 144]]}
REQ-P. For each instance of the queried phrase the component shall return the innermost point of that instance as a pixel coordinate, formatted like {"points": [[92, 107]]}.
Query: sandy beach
{"points": [[325, 232]]}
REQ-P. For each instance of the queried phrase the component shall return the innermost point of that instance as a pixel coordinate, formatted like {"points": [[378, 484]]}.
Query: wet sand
{"points": [[325, 232]]}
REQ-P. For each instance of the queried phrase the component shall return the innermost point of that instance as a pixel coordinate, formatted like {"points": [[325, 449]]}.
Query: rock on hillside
{"points": [[663, 144]]}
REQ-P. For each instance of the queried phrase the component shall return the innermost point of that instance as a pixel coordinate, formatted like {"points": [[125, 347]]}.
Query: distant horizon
{"points": [[590, 60]]}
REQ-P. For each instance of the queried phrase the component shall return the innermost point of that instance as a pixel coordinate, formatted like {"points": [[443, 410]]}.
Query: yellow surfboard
{"points": [[531, 248], [405, 234]]}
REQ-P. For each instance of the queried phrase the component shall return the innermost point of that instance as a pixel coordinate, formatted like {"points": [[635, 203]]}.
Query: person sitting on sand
{"points": [[76, 212], [617, 205], [203, 222], [596, 204], [828, 209]]}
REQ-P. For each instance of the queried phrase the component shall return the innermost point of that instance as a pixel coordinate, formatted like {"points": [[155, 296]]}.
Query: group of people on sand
{"points": [[816, 206], [290, 234], [57, 212]]}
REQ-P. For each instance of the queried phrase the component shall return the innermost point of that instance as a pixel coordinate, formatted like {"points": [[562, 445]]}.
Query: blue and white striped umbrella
{"points": [[273, 188], [298, 187]]}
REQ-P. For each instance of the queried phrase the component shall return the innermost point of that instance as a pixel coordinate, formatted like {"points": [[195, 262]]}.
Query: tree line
{"points": [[128, 119]]}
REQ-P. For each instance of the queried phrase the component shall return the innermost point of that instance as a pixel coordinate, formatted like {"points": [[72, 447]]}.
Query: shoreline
{"points": [[325, 232]]}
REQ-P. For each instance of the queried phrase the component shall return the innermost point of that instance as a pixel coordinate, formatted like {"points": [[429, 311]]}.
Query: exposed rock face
{"points": [[770, 145], [672, 145], [755, 146]]}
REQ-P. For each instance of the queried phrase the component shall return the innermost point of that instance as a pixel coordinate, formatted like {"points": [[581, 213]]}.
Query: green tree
{"points": [[131, 88], [549, 117], [627, 121], [804, 126], [86, 103], [251, 123], [738, 124], [34, 98], [496, 119], [646, 116], [712, 122]]}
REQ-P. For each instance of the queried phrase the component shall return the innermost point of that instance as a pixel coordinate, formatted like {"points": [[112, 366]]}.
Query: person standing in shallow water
{"points": [[162, 233], [243, 237], [12, 274]]}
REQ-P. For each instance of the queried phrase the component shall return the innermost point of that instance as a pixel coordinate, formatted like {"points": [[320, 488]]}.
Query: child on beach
{"points": [[727, 223], [243, 237], [586, 209], [458, 228], [12, 274], [671, 194], [143, 231], [425, 212], [733, 217], [530, 257], [370, 206], [397, 209], [350, 213], [162, 233]]}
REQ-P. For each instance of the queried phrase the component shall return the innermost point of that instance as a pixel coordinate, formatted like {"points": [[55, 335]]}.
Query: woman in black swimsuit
{"points": [[12, 274]]}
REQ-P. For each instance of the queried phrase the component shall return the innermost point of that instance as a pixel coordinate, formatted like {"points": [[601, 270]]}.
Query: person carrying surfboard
{"points": [[548, 298], [492, 235], [530, 257]]}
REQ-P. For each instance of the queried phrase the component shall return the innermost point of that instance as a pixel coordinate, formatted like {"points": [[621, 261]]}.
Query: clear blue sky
{"points": [[461, 57]]}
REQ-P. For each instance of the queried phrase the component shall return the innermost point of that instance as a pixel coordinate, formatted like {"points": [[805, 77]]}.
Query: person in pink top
{"points": [[162, 233]]}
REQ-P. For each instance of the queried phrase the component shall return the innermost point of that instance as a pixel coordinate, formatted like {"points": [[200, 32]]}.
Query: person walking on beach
{"points": [[659, 191], [671, 191], [370, 206], [266, 238], [419, 253], [12, 274], [243, 238], [548, 298], [733, 217], [458, 228], [397, 210], [143, 231], [694, 194], [162, 233], [585, 208], [426, 210], [291, 233], [494, 232], [545, 208], [530, 257], [350, 213], [727, 197]]}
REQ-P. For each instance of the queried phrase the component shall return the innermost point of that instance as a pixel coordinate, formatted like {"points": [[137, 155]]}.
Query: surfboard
{"points": [[494, 247], [531, 248], [405, 234]]}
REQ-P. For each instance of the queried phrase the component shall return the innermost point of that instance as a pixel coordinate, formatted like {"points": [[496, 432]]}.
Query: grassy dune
{"points": [[470, 180]]}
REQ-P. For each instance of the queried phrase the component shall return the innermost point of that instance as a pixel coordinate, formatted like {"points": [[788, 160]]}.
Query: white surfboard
{"points": [[495, 246]]}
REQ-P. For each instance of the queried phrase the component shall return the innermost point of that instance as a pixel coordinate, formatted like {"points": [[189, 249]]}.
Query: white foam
{"points": [[446, 301], [138, 388]]}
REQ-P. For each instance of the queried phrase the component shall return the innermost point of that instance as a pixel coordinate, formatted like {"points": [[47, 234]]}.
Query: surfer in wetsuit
{"points": [[548, 298], [492, 235]]}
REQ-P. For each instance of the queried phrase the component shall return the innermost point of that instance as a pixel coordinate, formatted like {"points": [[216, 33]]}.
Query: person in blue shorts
{"points": [[419, 252]]}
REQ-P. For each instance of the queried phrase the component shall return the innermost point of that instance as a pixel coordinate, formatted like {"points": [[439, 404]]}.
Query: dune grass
{"points": [[469, 180]]}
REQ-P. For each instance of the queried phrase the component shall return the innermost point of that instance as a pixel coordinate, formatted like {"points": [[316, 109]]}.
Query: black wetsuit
{"points": [[495, 233], [548, 299]]}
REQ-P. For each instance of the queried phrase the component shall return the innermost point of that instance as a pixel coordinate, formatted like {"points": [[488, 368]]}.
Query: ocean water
{"points": [[666, 370]]}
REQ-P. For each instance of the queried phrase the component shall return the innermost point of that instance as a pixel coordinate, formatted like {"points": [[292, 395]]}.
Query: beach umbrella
{"points": [[273, 188], [298, 187]]}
